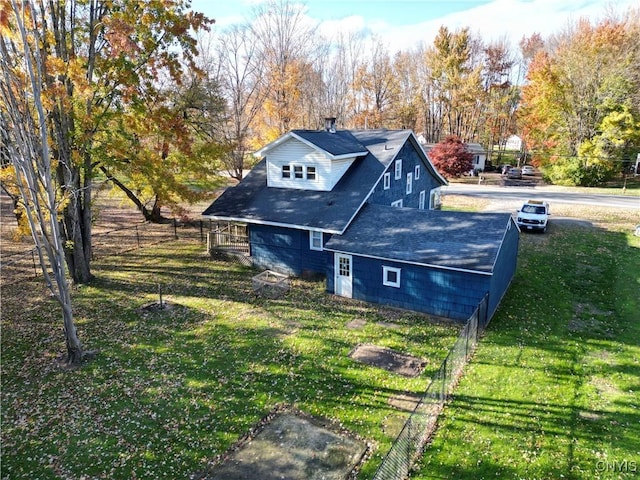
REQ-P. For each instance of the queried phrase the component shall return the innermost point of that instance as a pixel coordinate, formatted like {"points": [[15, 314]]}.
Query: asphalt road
{"points": [[542, 193]]}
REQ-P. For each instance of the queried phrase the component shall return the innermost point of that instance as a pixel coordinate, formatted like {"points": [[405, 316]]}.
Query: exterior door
{"points": [[343, 275]]}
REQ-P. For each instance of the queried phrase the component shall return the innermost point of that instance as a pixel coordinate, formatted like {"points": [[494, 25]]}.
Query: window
{"points": [[434, 199], [315, 240], [397, 203], [409, 183], [311, 173], [398, 171], [387, 180], [344, 267], [286, 171], [391, 277], [421, 201], [297, 171], [417, 172]]}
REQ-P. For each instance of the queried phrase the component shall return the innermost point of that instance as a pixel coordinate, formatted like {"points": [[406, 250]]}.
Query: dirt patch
{"points": [[389, 360], [356, 324], [292, 446], [405, 401]]}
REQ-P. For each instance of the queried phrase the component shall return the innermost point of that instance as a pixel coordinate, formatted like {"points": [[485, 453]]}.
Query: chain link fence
{"points": [[421, 425]]}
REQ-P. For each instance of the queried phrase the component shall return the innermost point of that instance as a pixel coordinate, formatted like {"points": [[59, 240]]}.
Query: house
{"points": [[514, 142], [479, 156], [362, 209], [479, 153]]}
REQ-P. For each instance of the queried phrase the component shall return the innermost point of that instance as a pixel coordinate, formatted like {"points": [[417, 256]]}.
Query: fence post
{"points": [[137, 236], [201, 231], [175, 228]]}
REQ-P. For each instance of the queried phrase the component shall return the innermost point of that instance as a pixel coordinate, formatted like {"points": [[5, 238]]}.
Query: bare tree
{"points": [[23, 122], [288, 43], [239, 72]]}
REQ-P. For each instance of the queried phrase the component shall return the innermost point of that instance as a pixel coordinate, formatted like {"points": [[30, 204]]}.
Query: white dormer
{"points": [[297, 163]]}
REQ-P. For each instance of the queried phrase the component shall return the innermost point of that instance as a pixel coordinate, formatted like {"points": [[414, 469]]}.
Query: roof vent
{"points": [[330, 124]]}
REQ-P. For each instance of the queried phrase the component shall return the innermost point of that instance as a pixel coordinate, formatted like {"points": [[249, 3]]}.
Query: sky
{"points": [[403, 24]]}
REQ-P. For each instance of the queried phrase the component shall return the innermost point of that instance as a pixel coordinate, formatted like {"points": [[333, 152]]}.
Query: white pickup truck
{"points": [[533, 215]]}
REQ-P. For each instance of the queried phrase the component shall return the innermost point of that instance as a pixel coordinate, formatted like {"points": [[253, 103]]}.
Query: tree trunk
{"points": [[154, 215]]}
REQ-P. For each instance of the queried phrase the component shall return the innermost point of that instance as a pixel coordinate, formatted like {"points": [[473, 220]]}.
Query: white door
{"points": [[343, 275]]}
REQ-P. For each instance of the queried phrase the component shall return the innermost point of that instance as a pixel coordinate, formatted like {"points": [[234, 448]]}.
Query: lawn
{"points": [[170, 390], [553, 390]]}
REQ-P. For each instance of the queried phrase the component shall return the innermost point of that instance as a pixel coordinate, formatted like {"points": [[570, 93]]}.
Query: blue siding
{"points": [[285, 250], [504, 269], [397, 189], [446, 293]]}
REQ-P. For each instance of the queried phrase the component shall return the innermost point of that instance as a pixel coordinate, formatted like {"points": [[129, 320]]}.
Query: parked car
{"points": [[533, 215], [514, 172], [528, 170]]}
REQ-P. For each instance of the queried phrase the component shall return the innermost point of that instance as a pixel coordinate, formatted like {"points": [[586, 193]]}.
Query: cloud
{"points": [[510, 19]]}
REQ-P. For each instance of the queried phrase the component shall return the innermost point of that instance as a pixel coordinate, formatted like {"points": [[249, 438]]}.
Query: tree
{"points": [[99, 59], [578, 110], [24, 127], [451, 157], [239, 72]]}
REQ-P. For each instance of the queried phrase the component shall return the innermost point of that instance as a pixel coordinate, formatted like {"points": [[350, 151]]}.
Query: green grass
{"points": [[170, 390], [553, 391]]}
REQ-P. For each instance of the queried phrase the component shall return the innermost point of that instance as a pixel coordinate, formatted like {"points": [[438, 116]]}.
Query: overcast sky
{"points": [[403, 24]]}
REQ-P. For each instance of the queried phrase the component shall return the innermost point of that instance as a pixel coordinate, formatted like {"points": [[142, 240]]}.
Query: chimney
{"points": [[330, 124]]}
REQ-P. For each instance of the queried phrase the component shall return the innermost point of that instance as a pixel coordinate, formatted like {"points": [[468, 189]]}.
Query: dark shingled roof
{"points": [[459, 240], [341, 142], [252, 201]]}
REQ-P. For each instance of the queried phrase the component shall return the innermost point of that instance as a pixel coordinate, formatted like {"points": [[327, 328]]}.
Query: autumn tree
{"points": [[288, 45], [99, 59], [25, 134], [451, 157], [578, 110], [457, 82]]}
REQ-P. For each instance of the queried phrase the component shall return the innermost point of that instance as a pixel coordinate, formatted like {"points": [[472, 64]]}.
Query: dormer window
{"points": [[286, 171], [311, 173], [297, 171]]}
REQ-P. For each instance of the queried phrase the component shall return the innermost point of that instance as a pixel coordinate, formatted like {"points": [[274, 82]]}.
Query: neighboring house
{"points": [[479, 156], [514, 142], [360, 207]]}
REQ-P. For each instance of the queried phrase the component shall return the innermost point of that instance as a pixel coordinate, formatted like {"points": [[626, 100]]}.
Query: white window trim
{"points": [[397, 203], [417, 172], [286, 169], [409, 188], [313, 235], [398, 169], [422, 200], [387, 181], [385, 279], [298, 170], [315, 173]]}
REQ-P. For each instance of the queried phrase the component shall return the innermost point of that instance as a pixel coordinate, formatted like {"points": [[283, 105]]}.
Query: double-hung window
{"points": [[297, 171], [391, 276], [409, 183], [315, 240], [311, 173], [398, 169], [286, 171], [416, 175], [387, 181]]}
